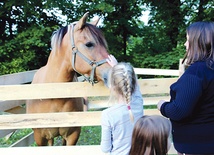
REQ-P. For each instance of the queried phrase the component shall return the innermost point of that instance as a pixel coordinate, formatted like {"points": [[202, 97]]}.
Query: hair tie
{"points": [[130, 113]]}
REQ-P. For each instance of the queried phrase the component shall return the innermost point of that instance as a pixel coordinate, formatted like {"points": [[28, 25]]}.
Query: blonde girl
{"points": [[118, 120]]}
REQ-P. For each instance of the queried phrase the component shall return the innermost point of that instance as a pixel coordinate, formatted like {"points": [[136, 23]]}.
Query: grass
{"points": [[17, 135], [90, 135]]}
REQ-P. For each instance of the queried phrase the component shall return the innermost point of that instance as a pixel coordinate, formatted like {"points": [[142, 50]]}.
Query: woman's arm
{"points": [[188, 90]]}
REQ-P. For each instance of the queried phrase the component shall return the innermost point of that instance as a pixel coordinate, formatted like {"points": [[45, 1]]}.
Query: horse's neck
{"points": [[58, 69]]}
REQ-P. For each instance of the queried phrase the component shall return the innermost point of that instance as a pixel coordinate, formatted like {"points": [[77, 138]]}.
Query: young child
{"points": [[151, 136], [118, 120]]}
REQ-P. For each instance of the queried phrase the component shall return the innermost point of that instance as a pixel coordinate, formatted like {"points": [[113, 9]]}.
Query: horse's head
{"points": [[86, 48]]}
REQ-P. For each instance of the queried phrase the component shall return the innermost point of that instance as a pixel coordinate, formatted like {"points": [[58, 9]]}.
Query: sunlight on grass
{"points": [[90, 135]]}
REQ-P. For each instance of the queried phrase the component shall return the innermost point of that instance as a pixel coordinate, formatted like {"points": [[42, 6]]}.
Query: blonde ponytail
{"points": [[123, 80]]}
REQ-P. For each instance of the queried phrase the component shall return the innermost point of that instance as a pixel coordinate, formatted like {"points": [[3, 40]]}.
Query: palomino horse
{"points": [[79, 47]]}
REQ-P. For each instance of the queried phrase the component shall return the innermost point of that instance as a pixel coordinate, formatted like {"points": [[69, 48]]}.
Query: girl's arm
{"points": [[106, 136]]}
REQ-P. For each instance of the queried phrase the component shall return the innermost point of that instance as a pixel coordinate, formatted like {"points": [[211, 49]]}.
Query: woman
{"points": [[191, 107]]}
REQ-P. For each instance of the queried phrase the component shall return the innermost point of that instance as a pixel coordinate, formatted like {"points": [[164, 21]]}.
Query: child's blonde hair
{"points": [[123, 82]]}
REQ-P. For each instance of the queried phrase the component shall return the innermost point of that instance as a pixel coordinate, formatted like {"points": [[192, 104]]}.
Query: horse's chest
{"points": [[75, 104], [50, 133], [56, 105]]}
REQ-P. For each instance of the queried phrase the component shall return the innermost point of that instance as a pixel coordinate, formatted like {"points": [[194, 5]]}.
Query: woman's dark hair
{"points": [[201, 42]]}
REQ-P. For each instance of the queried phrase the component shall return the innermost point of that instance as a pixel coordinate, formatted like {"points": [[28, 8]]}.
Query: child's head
{"points": [[200, 42], [151, 136], [123, 82]]}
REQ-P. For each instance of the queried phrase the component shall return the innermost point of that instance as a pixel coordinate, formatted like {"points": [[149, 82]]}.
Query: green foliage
{"points": [[143, 56], [17, 135], [90, 135], [26, 28], [27, 51], [120, 21]]}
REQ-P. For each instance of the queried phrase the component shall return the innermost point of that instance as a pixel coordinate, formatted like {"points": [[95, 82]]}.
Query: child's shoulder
{"points": [[115, 108]]}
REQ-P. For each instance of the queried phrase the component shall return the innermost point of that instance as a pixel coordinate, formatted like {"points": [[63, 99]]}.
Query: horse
{"points": [[79, 47]]}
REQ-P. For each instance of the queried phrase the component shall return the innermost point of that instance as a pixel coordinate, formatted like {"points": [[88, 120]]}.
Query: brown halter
{"points": [[92, 63]]}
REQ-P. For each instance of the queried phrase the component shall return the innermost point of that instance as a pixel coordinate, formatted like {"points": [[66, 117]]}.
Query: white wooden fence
{"points": [[14, 92]]}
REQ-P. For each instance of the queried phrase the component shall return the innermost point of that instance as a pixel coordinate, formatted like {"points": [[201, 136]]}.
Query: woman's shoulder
{"points": [[197, 64], [199, 68], [198, 71]]}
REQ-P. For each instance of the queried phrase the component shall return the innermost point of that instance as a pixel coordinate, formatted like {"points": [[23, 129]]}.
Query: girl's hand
{"points": [[111, 60], [160, 104]]}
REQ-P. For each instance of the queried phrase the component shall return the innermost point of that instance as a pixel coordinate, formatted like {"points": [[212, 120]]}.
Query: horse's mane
{"points": [[57, 36]]}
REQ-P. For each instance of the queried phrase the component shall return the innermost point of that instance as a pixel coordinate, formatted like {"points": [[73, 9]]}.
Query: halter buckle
{"points": [[92, 63]]}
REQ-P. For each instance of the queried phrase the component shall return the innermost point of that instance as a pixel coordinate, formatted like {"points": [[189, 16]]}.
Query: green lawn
{"points": [[90, 135]]}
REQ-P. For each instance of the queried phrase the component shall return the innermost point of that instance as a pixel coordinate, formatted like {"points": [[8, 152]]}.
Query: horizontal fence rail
{"points": [[63, 90], [17, 78], [59, 150], [164, 72], [70, 119]]}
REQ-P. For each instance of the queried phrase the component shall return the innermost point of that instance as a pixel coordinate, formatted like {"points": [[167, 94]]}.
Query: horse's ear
{"points": [[81, 23], [95, 22]]}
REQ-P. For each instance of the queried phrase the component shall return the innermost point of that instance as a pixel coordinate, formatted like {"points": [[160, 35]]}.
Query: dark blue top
{"points": [[191, 110]]}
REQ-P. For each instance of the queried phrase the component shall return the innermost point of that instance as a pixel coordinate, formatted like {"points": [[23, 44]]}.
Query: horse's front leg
{"points": [[85, 104], [72, 138], [40, 141], [51, 142]]}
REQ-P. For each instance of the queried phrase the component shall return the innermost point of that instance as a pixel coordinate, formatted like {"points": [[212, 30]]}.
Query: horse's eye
{"points": [[89, 44]]}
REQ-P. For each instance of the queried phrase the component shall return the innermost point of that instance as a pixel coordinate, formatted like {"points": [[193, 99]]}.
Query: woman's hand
{"points": [[111, 60], [160, 104]]}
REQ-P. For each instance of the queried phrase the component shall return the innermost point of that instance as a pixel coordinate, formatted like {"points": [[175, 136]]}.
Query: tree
{"points": [[168, 18], [123, 23], [25, 31], [120, 21], [162, 40], [27, 26]]}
